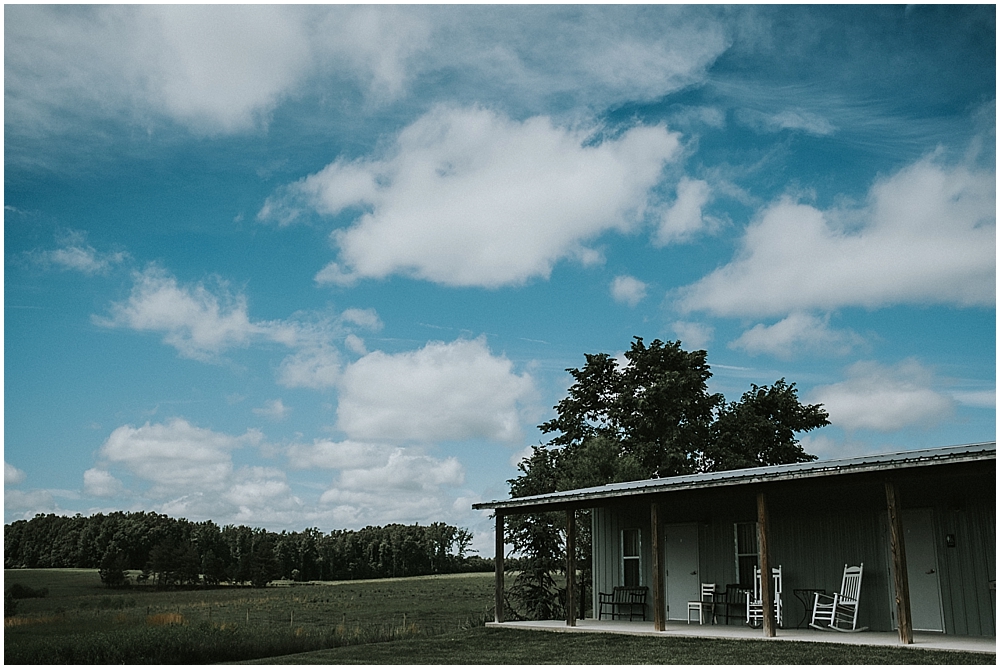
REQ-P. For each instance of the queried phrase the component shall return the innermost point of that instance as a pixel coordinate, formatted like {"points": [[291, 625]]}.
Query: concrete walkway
{"points": [[925, 640]]}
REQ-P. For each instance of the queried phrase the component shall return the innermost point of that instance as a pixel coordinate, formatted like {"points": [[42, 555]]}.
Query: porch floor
{"points": [[924, 640]]}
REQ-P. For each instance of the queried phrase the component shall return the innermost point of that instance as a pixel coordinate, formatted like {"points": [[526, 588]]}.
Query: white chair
{"points": [[839, 611], [755, 599], [707, 601]]}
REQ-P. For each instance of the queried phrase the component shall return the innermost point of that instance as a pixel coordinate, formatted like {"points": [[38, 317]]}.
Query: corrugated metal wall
{"points": [[967, 568], [813, 549]]}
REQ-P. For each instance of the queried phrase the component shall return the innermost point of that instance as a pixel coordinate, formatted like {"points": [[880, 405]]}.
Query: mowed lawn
{"points": [[423, 620], [496, 646]]}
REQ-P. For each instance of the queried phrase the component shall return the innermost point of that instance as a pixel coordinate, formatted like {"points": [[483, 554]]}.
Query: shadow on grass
{"points": [[493, 646]]}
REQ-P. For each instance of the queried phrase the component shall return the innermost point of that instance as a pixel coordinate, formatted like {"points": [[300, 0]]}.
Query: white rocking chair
{"points": [[839, 611], [755, 600]]}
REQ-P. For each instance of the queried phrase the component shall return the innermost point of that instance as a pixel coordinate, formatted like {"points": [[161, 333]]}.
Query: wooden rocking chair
{"points": [[755, 599], [839, 611]]}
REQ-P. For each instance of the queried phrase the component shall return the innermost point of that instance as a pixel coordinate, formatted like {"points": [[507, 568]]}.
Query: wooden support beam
{"points": [[571, 568], [764, 559], [659, 596], [897, 546], [498, 569]]}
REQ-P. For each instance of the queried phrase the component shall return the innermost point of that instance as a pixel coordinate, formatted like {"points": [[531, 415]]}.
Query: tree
{"points": [[760, 429], [112, 569], [649, 418]]}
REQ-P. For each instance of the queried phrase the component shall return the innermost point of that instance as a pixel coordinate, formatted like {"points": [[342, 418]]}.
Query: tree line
{"points": [[173, 552]]}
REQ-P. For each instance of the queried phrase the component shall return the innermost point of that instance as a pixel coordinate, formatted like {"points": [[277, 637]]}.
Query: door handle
{"points": [[931, 571], [694, 573]]}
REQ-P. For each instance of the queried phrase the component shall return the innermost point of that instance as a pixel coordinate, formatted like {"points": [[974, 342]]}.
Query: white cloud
{"points": [[406, 486], [628, 290], [75, 254], [684, 218], [101, 483], [983, 399], [694, 335], [405, 470], [12, 475], [798, 333], [31, 501], [273, 410], [313, 367], [927, 235], [225, 68], [202, 322], [325, 454], [789, 119], [876, 397], [197, 322], [467, 197], [175, 456], [440, 392], [212, 68]]}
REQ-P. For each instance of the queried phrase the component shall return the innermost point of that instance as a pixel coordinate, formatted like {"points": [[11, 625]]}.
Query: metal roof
{"points": [[800, 470]]}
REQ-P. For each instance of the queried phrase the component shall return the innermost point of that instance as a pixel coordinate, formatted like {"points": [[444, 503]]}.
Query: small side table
{"points": [[806, 596]]}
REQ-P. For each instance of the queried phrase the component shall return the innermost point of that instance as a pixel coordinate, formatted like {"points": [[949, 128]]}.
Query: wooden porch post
{"points": [[764, 557], [498, 568], [571, 568], [659, 624], [901, 582]]}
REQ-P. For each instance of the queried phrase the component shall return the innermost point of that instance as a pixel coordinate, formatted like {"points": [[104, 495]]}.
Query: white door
{"points": [[681, 578], [922, 570]]}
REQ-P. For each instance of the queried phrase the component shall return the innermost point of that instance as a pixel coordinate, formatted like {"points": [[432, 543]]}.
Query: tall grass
{"points": [[167, 639]]}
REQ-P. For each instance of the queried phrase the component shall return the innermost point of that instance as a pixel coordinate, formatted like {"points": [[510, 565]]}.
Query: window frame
{"points": [[637, 558]]}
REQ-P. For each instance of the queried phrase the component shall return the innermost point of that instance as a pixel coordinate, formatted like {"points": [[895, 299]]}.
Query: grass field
{"points": [[424, 620], [82, 622]]}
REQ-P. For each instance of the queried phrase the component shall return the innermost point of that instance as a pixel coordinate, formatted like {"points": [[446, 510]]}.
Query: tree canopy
{"points": [[650, 417]]}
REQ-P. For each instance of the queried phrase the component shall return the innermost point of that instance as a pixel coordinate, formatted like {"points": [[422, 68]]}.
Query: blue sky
{"points": [[326, 266]]}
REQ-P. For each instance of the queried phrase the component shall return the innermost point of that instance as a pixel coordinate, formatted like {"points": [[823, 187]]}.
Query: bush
{"points": [[18, 591]]}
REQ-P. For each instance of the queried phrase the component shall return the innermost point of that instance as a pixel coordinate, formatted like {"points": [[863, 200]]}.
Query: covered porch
{"points": [[921, 640]]}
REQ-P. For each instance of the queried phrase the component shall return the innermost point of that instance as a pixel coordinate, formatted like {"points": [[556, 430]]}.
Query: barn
{"points": [[920, 523]]}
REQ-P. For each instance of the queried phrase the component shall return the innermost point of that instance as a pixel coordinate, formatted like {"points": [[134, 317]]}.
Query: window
{"points": [[631, 557], [746, 553]]}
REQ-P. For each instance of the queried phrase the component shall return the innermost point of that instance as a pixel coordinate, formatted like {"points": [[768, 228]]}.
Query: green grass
{"points": [[83, 622], [423, 620], [498, 646]]}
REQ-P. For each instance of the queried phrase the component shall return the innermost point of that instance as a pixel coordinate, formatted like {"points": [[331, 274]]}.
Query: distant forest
{"points": [[177, 552]]}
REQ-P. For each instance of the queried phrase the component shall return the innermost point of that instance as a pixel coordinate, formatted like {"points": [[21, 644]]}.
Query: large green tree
{"points": [[651, 417]]}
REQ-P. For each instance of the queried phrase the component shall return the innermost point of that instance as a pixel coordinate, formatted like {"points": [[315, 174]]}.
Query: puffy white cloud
{"points": [[684, 218], [202, 322], [197, 322], [628, 290], [273, 410], [926, 235], [313, 367], [798, 333], [101, 483], [405, 471], [444, 391], [175, 456], [31, 501], [406, 486], [467, 197], [12, 475], [694, 335], [212, 68], [876, 397]]}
